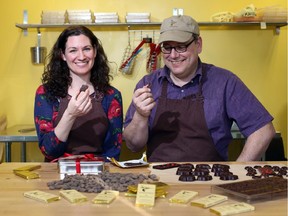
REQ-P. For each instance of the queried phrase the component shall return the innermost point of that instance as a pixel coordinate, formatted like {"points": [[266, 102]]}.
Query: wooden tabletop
{"points": [[12, 201]]}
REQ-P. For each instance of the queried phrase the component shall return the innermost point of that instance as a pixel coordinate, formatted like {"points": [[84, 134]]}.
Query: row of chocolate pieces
{"points": [[266, 171], [187, 172]]}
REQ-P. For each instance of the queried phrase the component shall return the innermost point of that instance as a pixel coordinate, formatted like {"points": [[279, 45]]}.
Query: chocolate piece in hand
{"points": [[82, 89]]}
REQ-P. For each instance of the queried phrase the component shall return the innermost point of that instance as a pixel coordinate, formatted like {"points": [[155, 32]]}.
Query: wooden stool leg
{"points": [[23, 152]]}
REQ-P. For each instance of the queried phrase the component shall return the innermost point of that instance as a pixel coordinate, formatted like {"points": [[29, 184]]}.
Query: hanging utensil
{"points": [[38, 53], [152, 61], [128, 64]]}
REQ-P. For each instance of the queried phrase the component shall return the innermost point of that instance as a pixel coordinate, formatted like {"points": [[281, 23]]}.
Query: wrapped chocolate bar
{"points": [[80, 164], [26, 171], [41, 196], [28, 167], [131, 163], [210, 200], [145, 195], [73, 196], [231, 209], [105, 197], [27, 174], [160, 190], [183, 196]]}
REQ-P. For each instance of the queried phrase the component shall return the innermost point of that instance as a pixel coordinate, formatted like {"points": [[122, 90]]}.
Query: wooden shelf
{"points": [[261, 25], [27, 26]]}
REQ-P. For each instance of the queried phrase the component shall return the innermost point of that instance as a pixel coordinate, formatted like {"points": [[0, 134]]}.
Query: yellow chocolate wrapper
{"points": [[41, 196], [161, 189], [27, 174], [28, 168]]}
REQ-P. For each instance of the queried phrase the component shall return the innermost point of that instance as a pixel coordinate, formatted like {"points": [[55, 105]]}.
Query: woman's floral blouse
{"points": [[46, 112]]}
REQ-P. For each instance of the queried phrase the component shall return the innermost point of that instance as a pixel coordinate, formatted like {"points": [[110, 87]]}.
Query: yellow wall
{"points": [[258, 57]]}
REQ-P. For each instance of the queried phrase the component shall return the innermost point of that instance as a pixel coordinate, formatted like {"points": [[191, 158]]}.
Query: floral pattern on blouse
{"points": [[45, 114]]}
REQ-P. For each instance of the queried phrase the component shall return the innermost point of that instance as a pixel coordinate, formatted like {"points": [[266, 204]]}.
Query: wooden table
{"points": [[12, 201]]}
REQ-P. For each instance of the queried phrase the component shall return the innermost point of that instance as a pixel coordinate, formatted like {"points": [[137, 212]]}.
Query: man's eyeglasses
{"points": [[166, 49]]}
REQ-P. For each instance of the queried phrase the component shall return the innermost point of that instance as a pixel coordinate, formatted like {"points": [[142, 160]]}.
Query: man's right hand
{"points": [[143, 101]]}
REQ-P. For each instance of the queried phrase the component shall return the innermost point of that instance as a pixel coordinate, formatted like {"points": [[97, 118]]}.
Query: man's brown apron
{"points": [[179, 131], [88, 131]]}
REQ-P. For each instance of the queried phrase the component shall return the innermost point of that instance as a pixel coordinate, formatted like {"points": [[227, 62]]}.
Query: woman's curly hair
{"points": [[56, 77]]}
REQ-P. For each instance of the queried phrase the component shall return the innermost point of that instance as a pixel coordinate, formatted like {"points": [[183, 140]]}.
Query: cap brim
{"points": [[177, 36]]}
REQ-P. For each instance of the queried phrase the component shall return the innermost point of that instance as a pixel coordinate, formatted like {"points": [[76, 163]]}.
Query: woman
{"points": [[72, 121]]}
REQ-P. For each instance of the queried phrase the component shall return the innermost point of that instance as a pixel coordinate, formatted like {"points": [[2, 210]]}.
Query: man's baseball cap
{"points": [[178, 28]]}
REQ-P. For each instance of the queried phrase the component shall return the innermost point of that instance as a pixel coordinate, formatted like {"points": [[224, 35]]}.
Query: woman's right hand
{"points": [[79, 104]]}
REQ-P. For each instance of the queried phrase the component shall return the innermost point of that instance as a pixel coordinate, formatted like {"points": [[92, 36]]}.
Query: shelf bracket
{"points": [[277, 30], [263, 25], [25, 21]]}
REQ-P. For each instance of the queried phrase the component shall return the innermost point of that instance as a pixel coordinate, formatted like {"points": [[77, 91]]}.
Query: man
{"points": [[184, 111]]}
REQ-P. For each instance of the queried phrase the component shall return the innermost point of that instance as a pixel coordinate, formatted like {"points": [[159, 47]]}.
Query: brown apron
{"points": [[88, 131], [179, 132]]}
